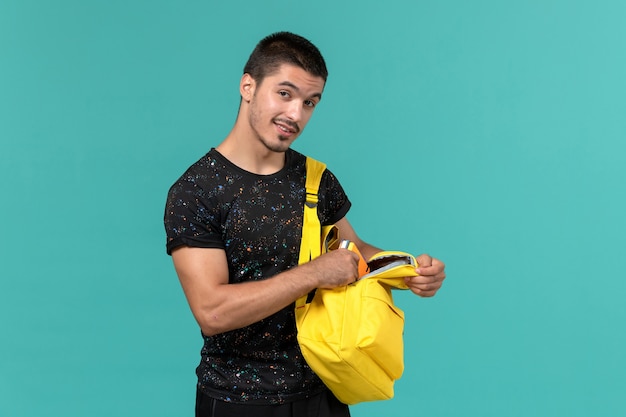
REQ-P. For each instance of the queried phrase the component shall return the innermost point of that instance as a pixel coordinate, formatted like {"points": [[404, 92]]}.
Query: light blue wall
{"points": [[488, 133]]}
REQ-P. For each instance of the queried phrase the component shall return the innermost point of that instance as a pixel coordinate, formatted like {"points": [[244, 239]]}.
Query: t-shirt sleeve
{"points": [[191, 217], [333, 202]]}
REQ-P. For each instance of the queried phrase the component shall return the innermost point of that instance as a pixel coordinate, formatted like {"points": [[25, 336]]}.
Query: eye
{"points": [[283, 93], [310, 103]]}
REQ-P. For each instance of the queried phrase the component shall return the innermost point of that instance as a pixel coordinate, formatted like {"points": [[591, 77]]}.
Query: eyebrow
{"points": [[295, 87]]}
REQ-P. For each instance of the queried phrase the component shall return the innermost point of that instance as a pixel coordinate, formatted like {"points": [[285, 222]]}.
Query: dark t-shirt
{"points": [[257, 220]]}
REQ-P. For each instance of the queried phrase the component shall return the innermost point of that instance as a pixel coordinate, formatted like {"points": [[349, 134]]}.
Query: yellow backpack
{"points": [[350, 336]]}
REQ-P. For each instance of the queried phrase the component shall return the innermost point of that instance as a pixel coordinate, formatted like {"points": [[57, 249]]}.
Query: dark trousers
{"points": [[321, 405]]}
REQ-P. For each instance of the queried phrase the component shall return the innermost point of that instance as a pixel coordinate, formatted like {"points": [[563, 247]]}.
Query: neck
{"points": [[250, 154]]}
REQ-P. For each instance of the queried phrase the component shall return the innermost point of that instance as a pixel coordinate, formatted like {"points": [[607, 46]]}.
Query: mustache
{"points": [[289, 123]]}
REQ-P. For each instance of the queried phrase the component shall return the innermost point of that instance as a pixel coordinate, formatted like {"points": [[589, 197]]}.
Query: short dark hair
{"points": [[284, 48]]}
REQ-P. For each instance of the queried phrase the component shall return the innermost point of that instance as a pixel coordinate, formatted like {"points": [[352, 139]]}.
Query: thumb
{"points": [[424, 260]]}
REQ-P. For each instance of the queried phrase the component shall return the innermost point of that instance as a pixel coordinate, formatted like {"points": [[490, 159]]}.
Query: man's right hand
{"points": [[335, 268]]}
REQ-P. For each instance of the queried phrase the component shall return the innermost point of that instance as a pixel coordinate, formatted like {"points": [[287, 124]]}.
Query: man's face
{"points": [[282, 105]]}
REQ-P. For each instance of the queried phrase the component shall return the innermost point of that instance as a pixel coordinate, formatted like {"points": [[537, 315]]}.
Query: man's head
{"points": [[284, 48], [281, 85]]}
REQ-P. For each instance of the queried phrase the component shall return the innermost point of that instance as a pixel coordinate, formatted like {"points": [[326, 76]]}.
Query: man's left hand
{"points": [[431, 275]]}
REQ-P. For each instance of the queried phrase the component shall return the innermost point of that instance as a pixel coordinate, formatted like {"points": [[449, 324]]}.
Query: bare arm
{"points": [[219, 306], [346, 231]]}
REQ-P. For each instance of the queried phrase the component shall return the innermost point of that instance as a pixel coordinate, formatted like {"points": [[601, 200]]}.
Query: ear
{"points": [[246, 87]]}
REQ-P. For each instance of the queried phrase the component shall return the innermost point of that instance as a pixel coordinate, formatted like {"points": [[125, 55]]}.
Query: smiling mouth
{"points": [[287, 126]]}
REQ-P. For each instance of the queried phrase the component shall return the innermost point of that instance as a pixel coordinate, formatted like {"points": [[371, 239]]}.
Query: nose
{"points": [[294, 112]]}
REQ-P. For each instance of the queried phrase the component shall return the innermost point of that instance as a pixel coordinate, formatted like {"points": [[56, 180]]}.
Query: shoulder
{"points": [[298, 161], [203, 169], [294, 160], [203, 176]]}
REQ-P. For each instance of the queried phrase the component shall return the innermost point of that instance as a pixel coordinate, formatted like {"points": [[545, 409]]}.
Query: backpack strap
{"points": [[310, 247], [311, 244]]}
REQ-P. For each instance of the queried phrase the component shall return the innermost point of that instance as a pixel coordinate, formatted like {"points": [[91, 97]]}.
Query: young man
{"points": [[233, 224]]}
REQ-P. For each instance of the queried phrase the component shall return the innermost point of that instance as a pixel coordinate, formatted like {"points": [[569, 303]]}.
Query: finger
{"points": [[424, 260], [423, 292], [353, 255], [420, 280], [437, 268], [426, 285], [425, 279]]}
